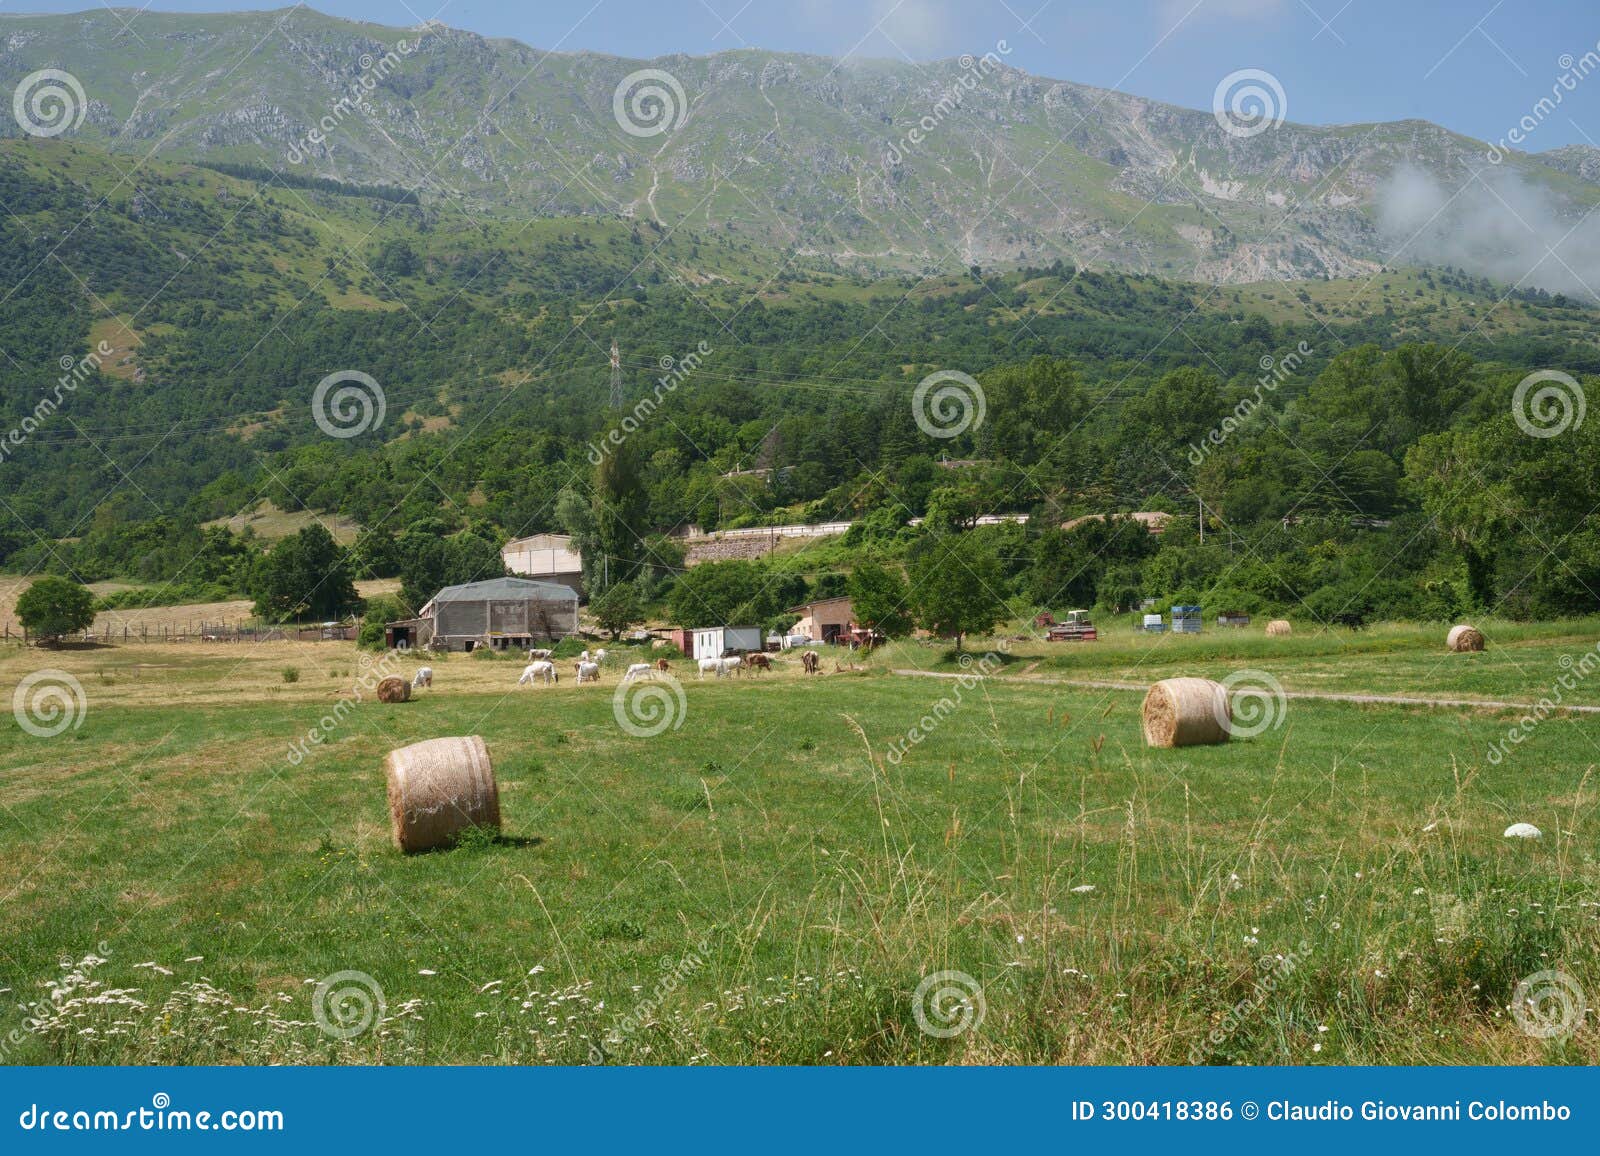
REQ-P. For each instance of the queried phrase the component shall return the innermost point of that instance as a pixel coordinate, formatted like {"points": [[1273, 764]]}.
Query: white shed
{"points": [[715, 641]]}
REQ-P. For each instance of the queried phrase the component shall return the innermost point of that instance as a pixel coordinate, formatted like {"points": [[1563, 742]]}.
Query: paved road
{"points": [[1327, 696]]}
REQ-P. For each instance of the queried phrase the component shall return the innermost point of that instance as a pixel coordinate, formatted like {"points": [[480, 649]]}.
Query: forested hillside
{"points": [[1367, 441]]}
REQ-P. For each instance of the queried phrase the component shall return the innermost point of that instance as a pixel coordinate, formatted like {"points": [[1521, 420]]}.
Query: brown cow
{"points": [[757, 661], [809, 662], [661, 664]]}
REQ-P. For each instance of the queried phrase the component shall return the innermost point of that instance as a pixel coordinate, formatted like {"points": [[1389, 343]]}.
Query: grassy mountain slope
{"points": [[785, 149]]}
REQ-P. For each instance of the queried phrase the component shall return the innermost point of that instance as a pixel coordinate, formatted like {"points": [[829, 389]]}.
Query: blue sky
{"points": [[1476, 66]]}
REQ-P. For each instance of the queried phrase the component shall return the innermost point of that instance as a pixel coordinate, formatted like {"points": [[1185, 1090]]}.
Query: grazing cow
{"points": [[810, 662], [423, 677], [638, 670], [662, 665], [588, 672], [536, 654], [543, 669], [709, 666], [600, 657], [756, 661]]}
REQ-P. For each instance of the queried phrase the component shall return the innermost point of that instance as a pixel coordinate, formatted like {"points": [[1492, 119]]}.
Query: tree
{"points": [[576, 516], [621, 510], [54, 607], [430, 563], [711, 593], [306, 576], [617, 609], [378, 613], [957, 588], [879, 600]]}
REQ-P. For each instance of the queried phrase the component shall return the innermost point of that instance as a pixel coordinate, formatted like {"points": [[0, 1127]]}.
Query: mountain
{"points": [[864, 166]]}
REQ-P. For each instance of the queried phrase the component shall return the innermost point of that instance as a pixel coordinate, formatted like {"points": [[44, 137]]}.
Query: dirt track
{"points": [[1327, 696]]}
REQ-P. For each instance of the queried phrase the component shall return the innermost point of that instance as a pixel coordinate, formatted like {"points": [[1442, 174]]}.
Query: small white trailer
{"points": [[716, 641]]}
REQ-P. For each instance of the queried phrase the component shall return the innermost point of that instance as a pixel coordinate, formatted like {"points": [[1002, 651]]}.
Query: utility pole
{"points": [[1202, 502], [616, 375]]}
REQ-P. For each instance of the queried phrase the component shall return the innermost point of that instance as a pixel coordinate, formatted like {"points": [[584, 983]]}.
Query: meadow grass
{"points": [[767, 884]]}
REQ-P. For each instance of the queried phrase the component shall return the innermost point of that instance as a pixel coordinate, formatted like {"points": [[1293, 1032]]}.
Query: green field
{"points": [[765, 884]]}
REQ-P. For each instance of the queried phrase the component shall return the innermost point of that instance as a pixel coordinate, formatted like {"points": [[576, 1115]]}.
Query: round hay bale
{"points": [[1279, 628], [1464, 638], [439, 788], [1186, 712], [394, 690]]}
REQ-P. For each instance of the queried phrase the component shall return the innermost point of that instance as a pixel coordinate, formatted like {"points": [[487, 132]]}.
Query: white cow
{"points": [[638, 670], [717, 666], [588, 672], [600, 657], [584, 657], [536, 671], [423, 677]]}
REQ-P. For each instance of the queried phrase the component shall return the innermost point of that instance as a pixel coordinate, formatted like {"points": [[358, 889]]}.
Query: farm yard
{"points": [[785, 872]]}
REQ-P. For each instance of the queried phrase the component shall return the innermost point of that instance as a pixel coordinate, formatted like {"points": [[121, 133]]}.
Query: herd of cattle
{"points": [[542, 668]]}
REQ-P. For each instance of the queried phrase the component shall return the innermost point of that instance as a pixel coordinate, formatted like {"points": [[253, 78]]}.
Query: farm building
{"points": [[501, 613], [716, 641], [547, 558], [825, 620]]}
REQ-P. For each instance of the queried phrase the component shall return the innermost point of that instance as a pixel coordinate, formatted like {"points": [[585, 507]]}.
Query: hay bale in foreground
{"points": [[394, 690], [1464, 638], [1186, 712], [1279, 628], [439, 788]]}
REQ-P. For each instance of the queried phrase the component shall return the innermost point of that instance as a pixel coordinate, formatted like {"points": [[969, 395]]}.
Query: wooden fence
{"points": [[198, 631]]}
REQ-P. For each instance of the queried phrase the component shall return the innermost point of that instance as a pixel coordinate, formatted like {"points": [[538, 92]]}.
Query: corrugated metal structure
{"points": [[503, 613], [1186, 620]]}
